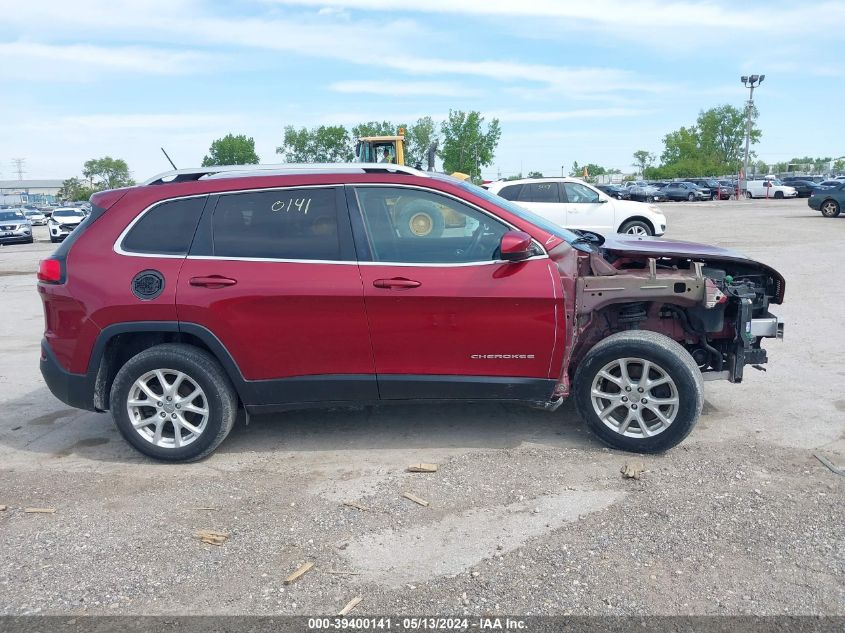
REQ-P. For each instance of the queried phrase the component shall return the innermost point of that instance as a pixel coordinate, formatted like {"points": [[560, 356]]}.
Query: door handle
{"points": [[212, 281], [397, 283]]}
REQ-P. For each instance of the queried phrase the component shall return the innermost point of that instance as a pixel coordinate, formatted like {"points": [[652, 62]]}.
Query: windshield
{"points": [[517, 210], [31, 213], [68, 213], [11, 215]]}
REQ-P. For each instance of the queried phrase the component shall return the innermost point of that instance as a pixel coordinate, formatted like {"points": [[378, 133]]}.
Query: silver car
{"points": [[14, 227]]}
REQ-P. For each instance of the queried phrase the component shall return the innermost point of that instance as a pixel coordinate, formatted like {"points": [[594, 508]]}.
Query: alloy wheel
{"points": [[168, 408], [635, 397]]}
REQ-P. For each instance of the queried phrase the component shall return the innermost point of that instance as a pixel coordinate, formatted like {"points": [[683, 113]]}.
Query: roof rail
{"points": [[281, 169]]}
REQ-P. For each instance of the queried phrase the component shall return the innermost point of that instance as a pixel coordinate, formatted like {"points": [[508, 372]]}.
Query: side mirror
{"points": [[515, 246]]}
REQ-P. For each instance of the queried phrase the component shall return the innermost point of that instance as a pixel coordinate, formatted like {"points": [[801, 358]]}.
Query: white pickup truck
{"points": [[770, 188]]}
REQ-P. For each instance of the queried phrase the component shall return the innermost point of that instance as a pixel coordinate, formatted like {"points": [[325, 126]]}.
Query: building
{"points": [[29, 191]]}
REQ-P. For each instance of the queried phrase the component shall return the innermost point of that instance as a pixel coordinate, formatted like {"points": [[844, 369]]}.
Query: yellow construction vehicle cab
{"points": [[371, 149]]}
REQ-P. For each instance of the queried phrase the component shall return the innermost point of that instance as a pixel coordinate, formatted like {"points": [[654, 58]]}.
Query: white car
{"points": [[770, 188], [63, 221], [37, 218], [574, 204]]}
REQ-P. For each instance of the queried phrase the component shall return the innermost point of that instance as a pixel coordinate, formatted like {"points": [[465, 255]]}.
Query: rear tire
{"points": [[748, 195], [673, 391], [830, 208], [199, 435]]}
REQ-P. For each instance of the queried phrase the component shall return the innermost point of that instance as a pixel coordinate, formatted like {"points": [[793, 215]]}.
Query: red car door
{"points": [[272, 274], [448, 319]]}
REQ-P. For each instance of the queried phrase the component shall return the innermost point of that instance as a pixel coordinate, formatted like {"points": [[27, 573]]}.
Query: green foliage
{"points": [[593, 170], [418, 138], [231, 150], [466, 145], [375, 128], [714, 145], [535, 174], [643, 160], [107, 173], [515, 177], [75, 190], [323, 144], [839, 164]]}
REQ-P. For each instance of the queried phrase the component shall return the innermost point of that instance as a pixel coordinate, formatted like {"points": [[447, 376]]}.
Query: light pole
{"points": [[749, 82]]}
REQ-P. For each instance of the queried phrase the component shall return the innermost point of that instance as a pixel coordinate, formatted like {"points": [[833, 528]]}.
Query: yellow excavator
{"points": [[420, 221]]}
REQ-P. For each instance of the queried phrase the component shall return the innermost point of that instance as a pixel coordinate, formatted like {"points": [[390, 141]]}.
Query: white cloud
{"points": [[84, 61], [403, 88]]}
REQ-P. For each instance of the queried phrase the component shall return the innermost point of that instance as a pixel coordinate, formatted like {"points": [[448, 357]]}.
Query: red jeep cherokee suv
{"points": [[202, 291]]}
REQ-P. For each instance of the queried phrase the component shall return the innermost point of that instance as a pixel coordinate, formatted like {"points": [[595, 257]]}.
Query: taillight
{"points": [[50, 271]]}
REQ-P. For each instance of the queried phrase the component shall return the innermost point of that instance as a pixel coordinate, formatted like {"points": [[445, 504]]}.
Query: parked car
{"points": [[714, 187], [684, 191], [574, 204], [645, 192], [830, 183], [804, 187], [36, 218], [828, 200], [14, 227], [63, 221], [770, 188], [615, 191], [315, 285]]}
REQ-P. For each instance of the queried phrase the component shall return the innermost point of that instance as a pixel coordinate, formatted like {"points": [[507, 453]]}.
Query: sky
{"points": [[588, 81]]}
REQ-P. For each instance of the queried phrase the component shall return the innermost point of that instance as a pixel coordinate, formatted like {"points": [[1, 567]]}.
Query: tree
{"points": [[231, 150], [466, 145], [418, 140], [324, 144], [721, 133], [107, 173], [576, 171], [535, 174], [839, 164], [375, 128], [643, 160], [74, 190]]}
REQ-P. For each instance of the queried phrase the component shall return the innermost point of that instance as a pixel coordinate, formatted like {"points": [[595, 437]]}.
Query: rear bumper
{"points": [[75, 390]]}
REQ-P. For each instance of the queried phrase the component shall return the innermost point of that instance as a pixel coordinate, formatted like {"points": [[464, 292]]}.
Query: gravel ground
{"points": [[528, 514]]}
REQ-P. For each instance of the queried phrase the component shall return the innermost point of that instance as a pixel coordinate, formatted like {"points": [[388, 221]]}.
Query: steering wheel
{"points": [[477, 238]]}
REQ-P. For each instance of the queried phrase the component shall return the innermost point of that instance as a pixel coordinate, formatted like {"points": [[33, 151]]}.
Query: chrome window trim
{"points": [[454, 197], [118, 244], [117, 247]]}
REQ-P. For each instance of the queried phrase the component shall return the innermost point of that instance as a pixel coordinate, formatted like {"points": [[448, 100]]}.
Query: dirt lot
{"points": [[528, 514]]}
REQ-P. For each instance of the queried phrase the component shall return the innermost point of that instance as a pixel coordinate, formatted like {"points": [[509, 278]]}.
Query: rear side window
{"points": [[540, 192], [281, 224], [166, 229], [511, 192]]}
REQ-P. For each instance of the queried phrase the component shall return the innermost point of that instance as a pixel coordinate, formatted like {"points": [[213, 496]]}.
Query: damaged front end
{"points": [[713, 301]]}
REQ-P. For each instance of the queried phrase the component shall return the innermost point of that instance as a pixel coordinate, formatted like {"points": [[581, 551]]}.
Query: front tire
{"points": [[639, 391], [173, 403], [748, 195], [691, 197], [830, 208], [637, 228]]}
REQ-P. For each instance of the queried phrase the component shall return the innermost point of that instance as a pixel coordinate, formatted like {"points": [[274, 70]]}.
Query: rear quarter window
{"points": [[165, 229]]}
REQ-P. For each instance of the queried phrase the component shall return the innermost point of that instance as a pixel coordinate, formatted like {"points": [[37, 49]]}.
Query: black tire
{"points": [[649, 198], [748, 195], [53, 239], [630, 224], [830, 208], [691, 197], [778, 195], [201, 368], [419, 219], [672, 359]]}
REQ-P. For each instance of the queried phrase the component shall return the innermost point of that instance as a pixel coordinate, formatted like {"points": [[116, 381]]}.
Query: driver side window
{"points": [[421, 227]]}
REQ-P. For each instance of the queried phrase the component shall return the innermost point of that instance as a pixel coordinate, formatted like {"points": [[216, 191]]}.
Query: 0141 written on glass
{"points": [[297, 205]]}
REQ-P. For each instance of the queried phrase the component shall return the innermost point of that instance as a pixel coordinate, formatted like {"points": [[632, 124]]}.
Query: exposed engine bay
{"points": [[716, 306]]}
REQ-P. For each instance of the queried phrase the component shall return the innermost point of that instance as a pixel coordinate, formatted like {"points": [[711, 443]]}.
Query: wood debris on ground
{"points": [[830, 465], [422, 467], [633, 470], [350, 605], [415, 498], [357, 506], [3, 508], [299, 572], [336, 572], [39, 510], [211, 537], [205, 508]]}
